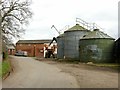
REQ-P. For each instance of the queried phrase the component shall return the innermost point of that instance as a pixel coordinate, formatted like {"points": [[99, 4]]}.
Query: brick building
{"points": [[34, 48], [11, 49]]}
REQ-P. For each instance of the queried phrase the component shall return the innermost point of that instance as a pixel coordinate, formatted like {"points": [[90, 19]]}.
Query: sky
{"points": [[61, 13]]}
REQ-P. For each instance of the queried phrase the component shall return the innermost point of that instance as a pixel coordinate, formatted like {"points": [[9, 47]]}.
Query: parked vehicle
{"points": [[21, 53]]}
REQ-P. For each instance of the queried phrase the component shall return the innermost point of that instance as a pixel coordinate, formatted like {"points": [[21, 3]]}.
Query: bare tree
{"points": [[14, 14]]}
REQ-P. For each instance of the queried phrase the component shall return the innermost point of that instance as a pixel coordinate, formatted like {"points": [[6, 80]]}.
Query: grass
{"points": [[4, 68], [115, 66], [109, 65], [34, 57]]}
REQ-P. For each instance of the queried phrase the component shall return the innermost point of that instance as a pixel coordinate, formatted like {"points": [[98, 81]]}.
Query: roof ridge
{"points": [[35, 41]]}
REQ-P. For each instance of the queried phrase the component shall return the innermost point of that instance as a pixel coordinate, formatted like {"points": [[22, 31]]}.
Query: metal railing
{"points": [[89, 26]]}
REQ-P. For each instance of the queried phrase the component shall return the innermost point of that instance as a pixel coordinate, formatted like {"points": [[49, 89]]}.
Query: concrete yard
{"points": [[89, 76], [29, 73], [46, 73]]}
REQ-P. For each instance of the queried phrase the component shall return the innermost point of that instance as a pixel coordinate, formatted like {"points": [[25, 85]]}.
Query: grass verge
{"points": [[4, 68], [109, 65], [114, 66]]}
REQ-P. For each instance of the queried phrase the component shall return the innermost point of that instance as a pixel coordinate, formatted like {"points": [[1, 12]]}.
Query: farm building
{"points": [[34, 48], [11, 49], [117, 50]]}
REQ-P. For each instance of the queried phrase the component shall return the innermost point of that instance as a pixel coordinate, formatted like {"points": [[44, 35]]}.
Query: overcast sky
{"points": [[64, 12]]}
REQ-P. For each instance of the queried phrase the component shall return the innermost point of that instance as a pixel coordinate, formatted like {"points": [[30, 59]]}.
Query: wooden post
{"points": [[0, 39]]}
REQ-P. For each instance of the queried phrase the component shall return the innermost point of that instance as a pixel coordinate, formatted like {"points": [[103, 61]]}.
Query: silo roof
{"points": [[76, 27], [61, 35], [97, 34]]}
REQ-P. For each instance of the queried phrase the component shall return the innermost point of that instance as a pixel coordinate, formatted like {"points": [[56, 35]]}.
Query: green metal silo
{"points": [[96, 47]]}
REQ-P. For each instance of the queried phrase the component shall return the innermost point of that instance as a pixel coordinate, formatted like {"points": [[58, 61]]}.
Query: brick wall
{"points": [[32, 49], [11, 51]]}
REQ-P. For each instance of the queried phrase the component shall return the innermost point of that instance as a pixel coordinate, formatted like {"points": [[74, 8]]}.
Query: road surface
{"points": [[29, 73], [89, 76]]}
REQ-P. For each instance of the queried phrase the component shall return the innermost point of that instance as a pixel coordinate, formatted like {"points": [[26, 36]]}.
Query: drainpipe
{"points": [[34, 50]]}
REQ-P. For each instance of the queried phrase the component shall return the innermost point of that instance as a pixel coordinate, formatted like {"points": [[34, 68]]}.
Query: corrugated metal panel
{"points": [[71, 41], [96, 50], [60, 45]]}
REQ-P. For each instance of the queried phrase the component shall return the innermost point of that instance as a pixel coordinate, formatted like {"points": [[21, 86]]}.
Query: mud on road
{"points": [[88, 76]]}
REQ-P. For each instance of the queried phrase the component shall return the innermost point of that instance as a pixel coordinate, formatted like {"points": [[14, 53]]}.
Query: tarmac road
{"points": [[29, 73]]}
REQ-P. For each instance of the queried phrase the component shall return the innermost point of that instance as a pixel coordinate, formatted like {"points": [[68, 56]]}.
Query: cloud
{"points": [[64, 12]]}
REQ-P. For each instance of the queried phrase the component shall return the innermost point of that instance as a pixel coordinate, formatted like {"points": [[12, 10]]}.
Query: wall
{"points": [[117, 50], [11, 51], [32, 49]]}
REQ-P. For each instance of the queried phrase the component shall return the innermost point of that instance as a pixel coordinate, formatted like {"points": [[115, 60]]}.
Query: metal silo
{"points": [[96, 47], [60, 45], [71, 41]]}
